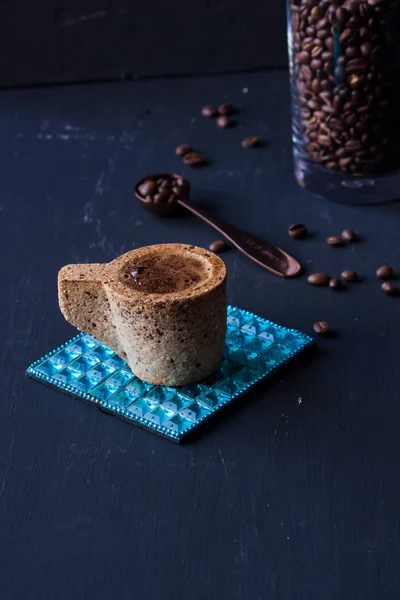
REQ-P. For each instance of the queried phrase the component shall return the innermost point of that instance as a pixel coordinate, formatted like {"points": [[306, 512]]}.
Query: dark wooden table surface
{"points": [[294, 494]]}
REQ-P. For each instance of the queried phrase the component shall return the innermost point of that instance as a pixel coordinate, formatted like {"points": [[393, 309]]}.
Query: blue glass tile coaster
{"points": [[85, 368]]}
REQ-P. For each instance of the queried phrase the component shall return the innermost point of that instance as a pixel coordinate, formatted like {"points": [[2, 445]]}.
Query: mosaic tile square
{"points": [[87, 369]]}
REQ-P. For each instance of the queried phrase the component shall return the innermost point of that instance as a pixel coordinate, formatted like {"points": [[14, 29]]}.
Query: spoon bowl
{"points": [[161, 209]]}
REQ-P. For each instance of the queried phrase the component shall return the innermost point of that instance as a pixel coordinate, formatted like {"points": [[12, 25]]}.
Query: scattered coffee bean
{"points": [[209, 111], [349, 275], [217, 246], [226, 109], [319, 279], [224, 121], [322, 327], [335, 284], [183, 149], [389, 288], [251, 142], [162, 189], [298, 231], [194, 159], [384, 272], [334, 240], [348, 235]]}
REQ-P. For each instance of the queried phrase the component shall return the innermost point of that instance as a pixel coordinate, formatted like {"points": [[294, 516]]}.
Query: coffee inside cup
{"points": [[165, 273]]}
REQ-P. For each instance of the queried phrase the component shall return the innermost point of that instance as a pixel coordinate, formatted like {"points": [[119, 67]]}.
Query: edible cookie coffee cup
{"points": [[162, 308]]}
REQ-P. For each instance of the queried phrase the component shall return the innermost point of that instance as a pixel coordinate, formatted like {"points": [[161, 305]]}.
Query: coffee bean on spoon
{"points": [[183, 149], [348, 235], [194, 159], [319, 279], [147, 188], [179, 191], [217, 246], [251, 142], [181, 181], [298, 231], [322, 327], [334, 241], [389, 288], [349, 275], [165, 186], [209, 111], [161, 198], [384, 272]]}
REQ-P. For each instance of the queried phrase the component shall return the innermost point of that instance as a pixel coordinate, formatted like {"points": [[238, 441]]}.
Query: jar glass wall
{"points": [[345, 83]]}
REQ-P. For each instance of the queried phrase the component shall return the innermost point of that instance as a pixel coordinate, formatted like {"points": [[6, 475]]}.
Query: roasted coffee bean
{"points": [[217, 246], [357, 65], [251, 142], [161, 198], [389, 288], [322, 327], [179, 191], [303, 57], [329, 43], [342, 15], [298, 231], [317, 51], [181, 181], [345, 162], [194, 159], [340, 72], [348, 235], [349, 275], [384, 272], [335, 284], [183, 149], [165, 186], [345, 36], [351, 52], [316, 63], [209, 111], [224, 122], [356, 81], [319, 279], [366, 48], [226, 109], [334, 240], [147, 188]]}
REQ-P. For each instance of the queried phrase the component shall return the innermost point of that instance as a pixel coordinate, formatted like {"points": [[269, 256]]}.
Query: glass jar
{"points": [[345, 82]]}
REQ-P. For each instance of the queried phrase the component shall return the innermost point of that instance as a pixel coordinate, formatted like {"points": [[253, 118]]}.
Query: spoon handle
{"points": [[261, 252]]}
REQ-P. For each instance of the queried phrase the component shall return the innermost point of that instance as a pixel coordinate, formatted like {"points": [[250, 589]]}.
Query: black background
{"points": [[294, 494], [51, 41]]}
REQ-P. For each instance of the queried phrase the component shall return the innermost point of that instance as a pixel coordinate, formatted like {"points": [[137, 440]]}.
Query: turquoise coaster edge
{"points": [[305, 342]]}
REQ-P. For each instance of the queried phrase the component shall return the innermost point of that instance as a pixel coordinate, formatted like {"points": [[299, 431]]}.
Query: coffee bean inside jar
{"points": [[345, 71]]}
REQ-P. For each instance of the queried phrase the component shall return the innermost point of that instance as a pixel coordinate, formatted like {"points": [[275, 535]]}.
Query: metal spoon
{"points": [[274, 259]]}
